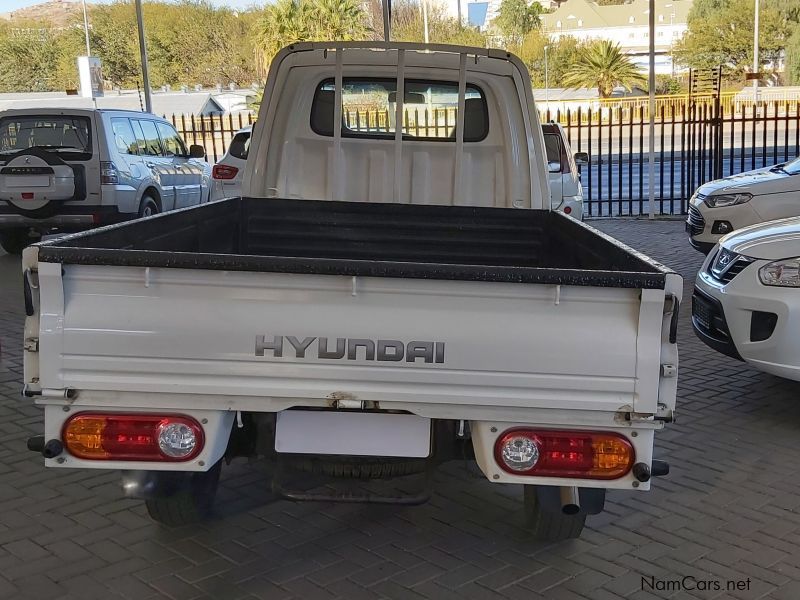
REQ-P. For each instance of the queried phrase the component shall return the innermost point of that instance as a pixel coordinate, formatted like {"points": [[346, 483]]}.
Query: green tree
{"points": [[408, 26], [561, 55], [516, 18], [720, 32], [289, 21], [31, 58], [603, 65]]}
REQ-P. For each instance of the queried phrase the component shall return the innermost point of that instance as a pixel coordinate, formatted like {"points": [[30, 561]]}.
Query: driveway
{"points": [[725, 523]]}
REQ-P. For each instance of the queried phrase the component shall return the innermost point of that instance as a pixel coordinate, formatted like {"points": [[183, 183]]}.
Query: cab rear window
{"points": [[430, 110], [55, 133]]}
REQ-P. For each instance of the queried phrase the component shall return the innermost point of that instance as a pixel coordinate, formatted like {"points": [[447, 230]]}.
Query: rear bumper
{"points": [[68, 217]]}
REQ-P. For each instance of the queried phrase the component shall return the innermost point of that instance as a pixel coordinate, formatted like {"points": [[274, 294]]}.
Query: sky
{"points": [[9, 5]]}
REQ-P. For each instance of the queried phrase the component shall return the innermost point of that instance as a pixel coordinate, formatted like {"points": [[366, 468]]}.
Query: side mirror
{"points": [[554, 166], [581, 158], [197, 151]]}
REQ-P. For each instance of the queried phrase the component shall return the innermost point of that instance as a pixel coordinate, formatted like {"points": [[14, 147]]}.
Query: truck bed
{"points": [[367, 239]]}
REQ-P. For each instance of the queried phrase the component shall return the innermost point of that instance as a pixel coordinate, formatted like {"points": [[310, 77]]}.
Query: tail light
{"points": [[550, 453], [567, 210], [109, 436], [224, 172], [108, 172]]}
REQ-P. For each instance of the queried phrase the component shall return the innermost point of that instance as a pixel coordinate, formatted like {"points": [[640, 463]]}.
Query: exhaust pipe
{"points": [[570, 500]]}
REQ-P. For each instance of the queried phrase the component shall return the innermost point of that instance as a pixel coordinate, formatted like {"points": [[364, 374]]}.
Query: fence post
{"points": [[591, 156]]}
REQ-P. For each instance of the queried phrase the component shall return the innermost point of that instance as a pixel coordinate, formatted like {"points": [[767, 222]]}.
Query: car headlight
{"points": [[783, 273], [727, 200]]}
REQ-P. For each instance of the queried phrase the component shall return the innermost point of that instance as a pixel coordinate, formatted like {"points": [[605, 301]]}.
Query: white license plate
{"points": [[27, 181], [352, 433]]}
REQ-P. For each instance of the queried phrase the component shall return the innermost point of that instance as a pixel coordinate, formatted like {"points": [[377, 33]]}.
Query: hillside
{"points": [[57, 13]]}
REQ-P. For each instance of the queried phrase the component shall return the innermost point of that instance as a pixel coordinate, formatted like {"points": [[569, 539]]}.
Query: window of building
{"points": [[631, 19]]}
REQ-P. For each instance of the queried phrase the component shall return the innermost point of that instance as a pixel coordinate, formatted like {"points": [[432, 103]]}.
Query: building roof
{"points": [[567, 94], [164, 103], [593, 16]]}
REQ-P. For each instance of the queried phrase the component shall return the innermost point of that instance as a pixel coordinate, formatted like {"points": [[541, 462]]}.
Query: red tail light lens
{"points": [[224, 172], [109, 436], [550, 453], [108, 173], [567, 210]]}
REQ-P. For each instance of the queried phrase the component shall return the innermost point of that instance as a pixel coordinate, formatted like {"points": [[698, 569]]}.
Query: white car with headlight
{"points": [[725, 205], [746, 301]]}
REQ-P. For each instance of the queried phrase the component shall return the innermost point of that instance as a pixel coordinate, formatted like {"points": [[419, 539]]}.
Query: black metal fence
{"points": [[693, 145], [212, 131]]}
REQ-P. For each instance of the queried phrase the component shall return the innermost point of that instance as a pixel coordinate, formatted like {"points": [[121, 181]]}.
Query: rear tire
{"points": [[189, 504], [14, 241], [149, 207], [550, 526]]}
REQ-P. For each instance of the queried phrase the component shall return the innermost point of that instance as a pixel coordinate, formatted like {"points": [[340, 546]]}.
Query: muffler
{"points": [[570, 500]]}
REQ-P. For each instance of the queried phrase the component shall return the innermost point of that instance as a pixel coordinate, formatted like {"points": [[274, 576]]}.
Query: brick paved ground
{"points": [[729, 510]]}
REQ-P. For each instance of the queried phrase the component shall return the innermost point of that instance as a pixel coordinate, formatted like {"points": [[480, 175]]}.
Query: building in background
{"points": [[164, 103], [625, 24]]}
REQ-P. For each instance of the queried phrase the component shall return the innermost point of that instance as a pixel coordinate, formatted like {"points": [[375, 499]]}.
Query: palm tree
{"points": [[283, 23], [289, 21], [342, 20], [603, 65]]}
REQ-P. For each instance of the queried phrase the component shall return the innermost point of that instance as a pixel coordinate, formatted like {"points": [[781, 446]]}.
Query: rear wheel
{"points": [[14, 241], [149, 206], [547, 525], [189, 503]]}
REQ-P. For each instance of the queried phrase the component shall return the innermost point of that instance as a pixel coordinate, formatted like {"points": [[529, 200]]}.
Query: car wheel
{"points": [[188, 504], [550, 526], [149, 207], [15, 241]]}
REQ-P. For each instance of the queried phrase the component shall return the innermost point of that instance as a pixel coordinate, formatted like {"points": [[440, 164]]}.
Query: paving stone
{"points": [[730, 509]]}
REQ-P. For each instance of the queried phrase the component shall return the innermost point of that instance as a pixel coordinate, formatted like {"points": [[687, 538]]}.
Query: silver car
{"points": [[72, 169]]}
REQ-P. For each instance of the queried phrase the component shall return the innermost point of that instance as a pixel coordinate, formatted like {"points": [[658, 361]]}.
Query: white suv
{"points": [[746, 300], [227, 173], [566, 190], [725, 205], [68, 170]]}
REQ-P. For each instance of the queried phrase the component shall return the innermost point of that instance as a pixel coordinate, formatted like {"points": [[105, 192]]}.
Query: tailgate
{"points": [[267, 341]]}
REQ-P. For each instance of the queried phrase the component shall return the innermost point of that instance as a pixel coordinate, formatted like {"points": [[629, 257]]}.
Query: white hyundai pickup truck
{"points": [[380, 300]]}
